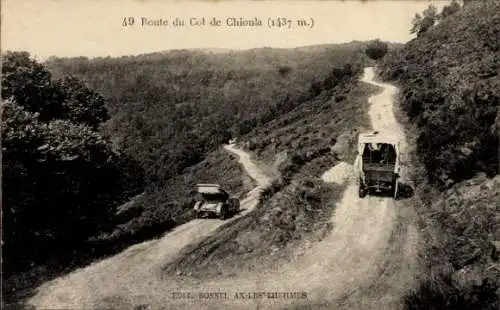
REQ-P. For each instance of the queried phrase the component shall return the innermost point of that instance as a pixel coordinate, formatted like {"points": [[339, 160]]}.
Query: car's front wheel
{"points": [[235, 205], [223, 213], [361, 190], [395, 189]]}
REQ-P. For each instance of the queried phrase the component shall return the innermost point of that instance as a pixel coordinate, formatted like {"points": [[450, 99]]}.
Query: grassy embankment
{"points": [[450, 95]]}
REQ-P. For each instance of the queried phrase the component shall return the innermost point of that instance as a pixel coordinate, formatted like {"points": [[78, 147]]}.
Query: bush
{"points": [[376, 49]]}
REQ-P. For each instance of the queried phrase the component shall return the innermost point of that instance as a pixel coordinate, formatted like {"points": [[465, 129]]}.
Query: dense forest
{"points": [[450, 90], [197, 100]]}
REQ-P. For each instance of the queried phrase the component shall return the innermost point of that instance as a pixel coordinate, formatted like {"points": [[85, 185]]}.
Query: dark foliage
{"points": [[31, 84], [450, 9], [450, 89], [462, 261], [376, 49], [422, 23], [430, 17], [169, 110], [61, 180]]}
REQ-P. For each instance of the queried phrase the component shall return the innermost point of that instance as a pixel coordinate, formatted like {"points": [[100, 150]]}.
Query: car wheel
{"points": [[235, 203], [361, 192], [395, 187], [223, 212]]}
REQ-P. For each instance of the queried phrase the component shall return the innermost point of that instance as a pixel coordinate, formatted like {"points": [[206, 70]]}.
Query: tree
{"points": [[81, 105], [431, 12], [30, 84], [376, 49], [450, 9], [61, 179], [416, 21], [422, 23], [467, 2]]}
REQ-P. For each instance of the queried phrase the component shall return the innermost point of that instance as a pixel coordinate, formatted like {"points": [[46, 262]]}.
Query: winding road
{"points": [[368, 261], [140, 263]]}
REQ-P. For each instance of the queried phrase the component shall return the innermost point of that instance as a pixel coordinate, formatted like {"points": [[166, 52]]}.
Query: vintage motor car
{"points": [[378, 163], [215, 201]]}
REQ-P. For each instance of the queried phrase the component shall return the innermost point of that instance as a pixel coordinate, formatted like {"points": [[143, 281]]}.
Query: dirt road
{"points": [[139, 263], [366, 262]]}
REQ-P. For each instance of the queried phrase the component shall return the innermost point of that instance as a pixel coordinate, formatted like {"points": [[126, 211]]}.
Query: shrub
{"points": [[376, 49]]}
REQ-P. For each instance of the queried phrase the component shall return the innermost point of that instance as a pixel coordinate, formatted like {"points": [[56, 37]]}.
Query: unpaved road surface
{"points": [[140, 263], [368, 260]]}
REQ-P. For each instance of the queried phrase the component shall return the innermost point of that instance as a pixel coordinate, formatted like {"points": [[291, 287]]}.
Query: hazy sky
{"points": [[94, 28]]}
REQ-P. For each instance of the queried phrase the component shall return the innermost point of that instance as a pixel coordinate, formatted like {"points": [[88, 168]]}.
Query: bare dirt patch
{"points": [[339, 174]]}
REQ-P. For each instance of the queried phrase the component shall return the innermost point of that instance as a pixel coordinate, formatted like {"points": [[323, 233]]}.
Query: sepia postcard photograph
{"points": [[288, 154]]}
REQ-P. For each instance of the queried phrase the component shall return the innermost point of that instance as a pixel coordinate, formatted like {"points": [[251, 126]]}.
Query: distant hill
{"points": [[180, 105]]}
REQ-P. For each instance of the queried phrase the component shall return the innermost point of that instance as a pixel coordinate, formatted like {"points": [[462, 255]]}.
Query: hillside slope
{"points": [[367, 261], [171, 111], [123, 274], [450, 94], [296, 210], [451, 90]]}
